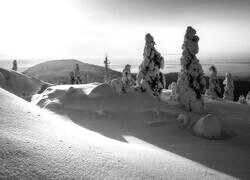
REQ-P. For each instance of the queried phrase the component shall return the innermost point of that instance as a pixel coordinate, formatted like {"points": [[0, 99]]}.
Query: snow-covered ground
{"points": [[92, 133], [20, 84]]}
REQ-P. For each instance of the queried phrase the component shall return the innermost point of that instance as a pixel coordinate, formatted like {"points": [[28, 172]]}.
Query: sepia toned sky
{"points": [[89, 28]]}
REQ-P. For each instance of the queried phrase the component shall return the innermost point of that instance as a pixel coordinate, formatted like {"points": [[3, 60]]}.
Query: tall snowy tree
{"points": [[14, 65], [106, 70], [191, 83], [149, 77], [173, 95], [214, 90], [229, 87], [248, 97], [127, 79]]}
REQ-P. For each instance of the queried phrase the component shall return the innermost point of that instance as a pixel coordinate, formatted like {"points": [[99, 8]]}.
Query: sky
{"points": [[92, 28]]}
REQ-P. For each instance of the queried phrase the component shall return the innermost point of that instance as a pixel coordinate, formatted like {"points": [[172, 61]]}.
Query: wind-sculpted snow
{"points": [[37, 144], [20, 84], [140, 119]]}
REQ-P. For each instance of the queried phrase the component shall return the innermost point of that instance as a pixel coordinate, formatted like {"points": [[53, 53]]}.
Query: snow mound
{"points": [[208, 126], [102, 90], [20, 84], [64, 94], [2, 80], [117, 85], [183, 119]]}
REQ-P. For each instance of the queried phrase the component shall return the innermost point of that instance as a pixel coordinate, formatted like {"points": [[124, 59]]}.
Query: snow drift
{"points": [[20, 84], [136, 118], [37, 144]]}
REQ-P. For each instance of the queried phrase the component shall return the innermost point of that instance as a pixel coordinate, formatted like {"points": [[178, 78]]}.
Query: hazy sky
{"points": [[82, 28]]}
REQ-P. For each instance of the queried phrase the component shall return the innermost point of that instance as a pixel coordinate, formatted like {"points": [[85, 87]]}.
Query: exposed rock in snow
{"points": [[229, 88], [149, 77], [208, 126], [191, 82], [214, 89]]}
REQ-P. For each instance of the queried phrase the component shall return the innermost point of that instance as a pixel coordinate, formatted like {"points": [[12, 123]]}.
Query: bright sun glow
{"points": [[82, 28]]}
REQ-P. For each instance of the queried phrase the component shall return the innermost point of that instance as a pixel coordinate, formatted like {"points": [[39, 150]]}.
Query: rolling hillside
{"points": [[57, 71]]}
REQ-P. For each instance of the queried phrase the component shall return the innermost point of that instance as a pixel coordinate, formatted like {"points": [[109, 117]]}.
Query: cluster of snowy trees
{"points": [[191, 83], [244, 100], [214, 90], [75, 76], [149, 79]]}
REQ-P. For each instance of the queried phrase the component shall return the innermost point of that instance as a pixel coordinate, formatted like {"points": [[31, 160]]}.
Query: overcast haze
{"points": [[83, 28]]}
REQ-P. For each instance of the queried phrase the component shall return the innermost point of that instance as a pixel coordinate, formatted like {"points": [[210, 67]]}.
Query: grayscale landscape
{"points": [[93, 89]]}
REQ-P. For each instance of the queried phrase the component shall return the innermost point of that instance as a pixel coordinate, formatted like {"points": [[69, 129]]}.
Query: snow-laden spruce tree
{"points": [[191, 83], [173, 95], [214, 90], [149, 77], [14, 65], [229, 87], [106, 70], [127, 80], [242, 99], [248, 97]]}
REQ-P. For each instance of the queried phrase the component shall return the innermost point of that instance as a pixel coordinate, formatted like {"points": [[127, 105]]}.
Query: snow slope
{"points": [[137, 119], [20, 84], [36, 143]]}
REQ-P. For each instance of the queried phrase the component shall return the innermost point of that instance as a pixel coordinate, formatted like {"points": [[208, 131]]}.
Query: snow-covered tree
{"points": [[242, 99], [191, 83], [229, 87], [248, 97], [214, 89], [127, 79], [14, 65], [173, 95], [149, 77], [106, 70]]}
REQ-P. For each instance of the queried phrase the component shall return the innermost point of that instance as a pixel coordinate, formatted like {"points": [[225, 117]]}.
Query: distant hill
{"points": [[57, 71]]}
